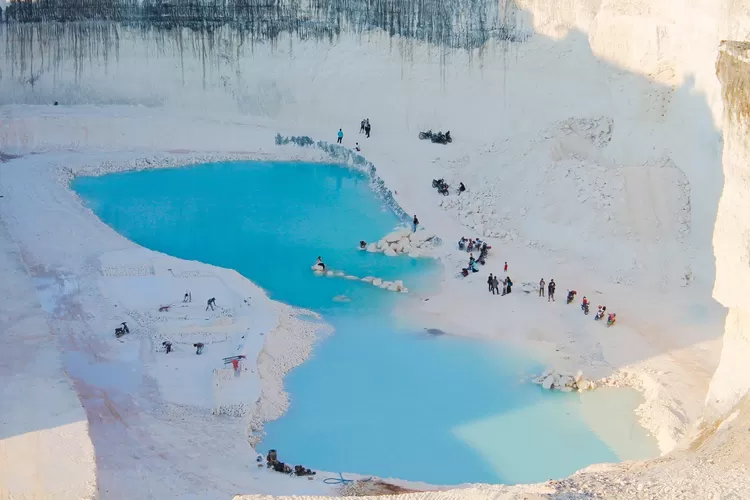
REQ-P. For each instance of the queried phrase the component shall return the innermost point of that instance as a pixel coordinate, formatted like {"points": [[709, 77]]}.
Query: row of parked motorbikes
{"points": [[436, 137], [611, 318]]}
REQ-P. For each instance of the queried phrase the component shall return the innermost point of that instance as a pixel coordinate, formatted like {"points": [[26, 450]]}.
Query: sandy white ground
{"points": [[90, 268]]}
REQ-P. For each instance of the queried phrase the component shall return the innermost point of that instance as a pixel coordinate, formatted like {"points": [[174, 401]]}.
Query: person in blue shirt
{"points": [[340, 136]]}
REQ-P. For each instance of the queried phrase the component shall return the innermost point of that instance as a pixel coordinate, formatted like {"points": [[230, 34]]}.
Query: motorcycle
{"points": [[425, 135], [438, 182], [443, 189], [571, 296], [122, 330], [610, 320], [600, 313], [585, 307]]}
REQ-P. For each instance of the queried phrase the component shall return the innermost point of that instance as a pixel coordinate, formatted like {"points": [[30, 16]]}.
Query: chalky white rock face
{"points": [[592, 152]]}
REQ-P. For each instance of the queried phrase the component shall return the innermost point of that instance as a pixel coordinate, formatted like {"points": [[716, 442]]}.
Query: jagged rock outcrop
{"points": [[732, 231]]}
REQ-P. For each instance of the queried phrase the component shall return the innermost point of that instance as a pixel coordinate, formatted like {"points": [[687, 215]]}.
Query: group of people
{"points": [[493, 285], [585, 303], [550, 289], [273, 462], [471, 245], [364, 127]]}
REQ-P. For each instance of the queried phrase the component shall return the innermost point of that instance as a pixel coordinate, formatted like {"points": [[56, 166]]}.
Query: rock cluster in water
{"points": [[391, 286], [403, 241], [564, 382]]}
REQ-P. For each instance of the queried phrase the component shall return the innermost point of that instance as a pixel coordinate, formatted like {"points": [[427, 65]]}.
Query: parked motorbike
{"points": [[571, 295], [611, 320], [122, 330]]}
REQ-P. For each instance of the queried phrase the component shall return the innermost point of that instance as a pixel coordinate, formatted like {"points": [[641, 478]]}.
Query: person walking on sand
{"points": [[506, 268], [367, 127], [211, 303], [495, 285], [415, 223], [339, 136], [551, 290], [362, 126], [489, 284], [541, 287]]}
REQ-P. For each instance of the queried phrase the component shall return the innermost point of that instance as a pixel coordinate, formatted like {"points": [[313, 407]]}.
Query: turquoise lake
{"points": [[375, 397]]}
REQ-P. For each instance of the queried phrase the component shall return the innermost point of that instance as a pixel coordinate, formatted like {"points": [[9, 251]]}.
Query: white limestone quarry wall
{"points": [[605, 117], [732, 234]]}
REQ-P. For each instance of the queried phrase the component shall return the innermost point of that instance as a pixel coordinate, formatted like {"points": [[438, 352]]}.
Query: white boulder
{"points": [[372, 247], [566, 389], [390, 252], [350, 277], [382, 245], [414, 253], [386, 284], [397, 235], [377, 281], [549, 380], [420, 237], [368, 279], [329, 273], [396, 247]]}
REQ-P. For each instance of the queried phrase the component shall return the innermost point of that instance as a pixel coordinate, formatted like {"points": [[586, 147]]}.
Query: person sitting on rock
{"points": [[362, 244], [320, 264], [461, 188]]}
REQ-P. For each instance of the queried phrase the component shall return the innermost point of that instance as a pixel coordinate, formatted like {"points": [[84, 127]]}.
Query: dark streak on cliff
{"points": [[456, 24]]}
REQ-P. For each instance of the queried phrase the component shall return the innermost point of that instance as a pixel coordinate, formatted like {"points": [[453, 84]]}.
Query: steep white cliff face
{"points": [[732, 234]]}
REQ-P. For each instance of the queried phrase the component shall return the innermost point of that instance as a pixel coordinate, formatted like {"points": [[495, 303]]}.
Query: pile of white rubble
{"points": [[403, 241], [564, 383], [392, 286]]}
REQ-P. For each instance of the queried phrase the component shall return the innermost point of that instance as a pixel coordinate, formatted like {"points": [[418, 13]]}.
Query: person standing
{"points": [[551, 290], [490, 287], [367, 127], [211, 303], [506, 268], [541, 287], [362, 126], [495, 286], [340, 136], [415, 223]]}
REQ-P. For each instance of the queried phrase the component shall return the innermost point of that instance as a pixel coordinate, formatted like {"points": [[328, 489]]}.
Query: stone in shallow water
{"points": [[434, 331]]}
